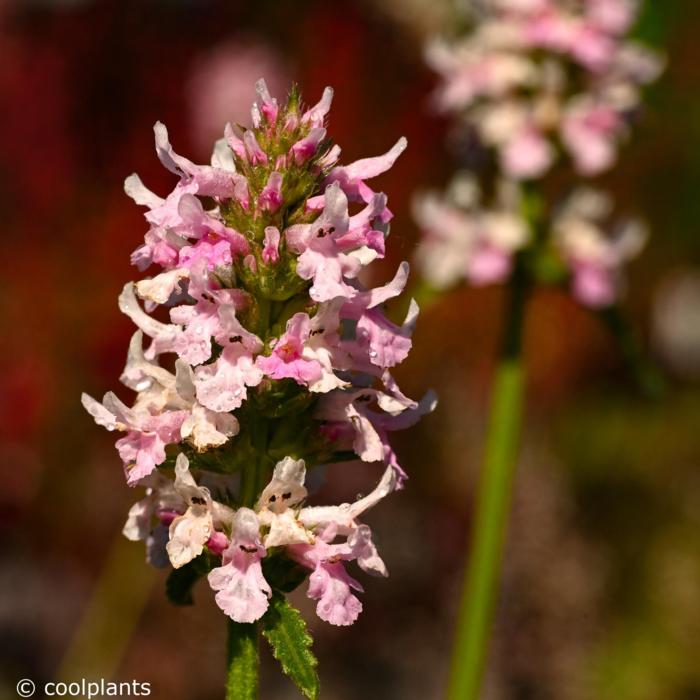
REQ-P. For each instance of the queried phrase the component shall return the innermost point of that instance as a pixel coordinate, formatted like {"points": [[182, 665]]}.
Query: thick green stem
{"points": [[243, 661], [492, 505]]}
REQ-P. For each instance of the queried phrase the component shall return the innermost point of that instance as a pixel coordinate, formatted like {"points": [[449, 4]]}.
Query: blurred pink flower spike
{"points": [[511, 79]]}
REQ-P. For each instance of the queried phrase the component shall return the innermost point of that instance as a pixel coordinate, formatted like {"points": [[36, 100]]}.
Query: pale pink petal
{"points": [[305, 148], [317, 114], [331, 585], [221, 386], [367, 168]]}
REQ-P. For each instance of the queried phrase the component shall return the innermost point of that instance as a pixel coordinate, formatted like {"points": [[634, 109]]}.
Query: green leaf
{"points": [[243, 661], [285, 630], [178, 586]]}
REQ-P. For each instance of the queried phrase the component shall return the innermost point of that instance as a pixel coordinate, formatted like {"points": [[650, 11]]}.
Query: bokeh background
{"points": [[601, 592]]}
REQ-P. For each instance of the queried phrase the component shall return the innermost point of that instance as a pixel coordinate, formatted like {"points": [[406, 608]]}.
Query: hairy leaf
{"points": [[285, 630]]}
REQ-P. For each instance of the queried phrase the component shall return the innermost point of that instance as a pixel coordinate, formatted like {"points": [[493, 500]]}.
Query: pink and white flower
{"points": [[242, 591], [190, 532]]}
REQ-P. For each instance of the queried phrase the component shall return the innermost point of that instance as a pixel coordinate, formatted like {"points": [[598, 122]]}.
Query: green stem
{"points": [[492, 505], [243, 661], [255, 471]]}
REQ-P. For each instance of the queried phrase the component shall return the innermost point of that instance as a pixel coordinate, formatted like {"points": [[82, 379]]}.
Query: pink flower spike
{"points": [[256, 155], [271, 196], [203, 377], [271, 242], [305, 149]]}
